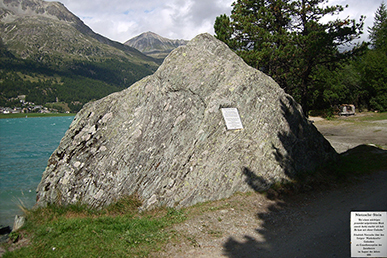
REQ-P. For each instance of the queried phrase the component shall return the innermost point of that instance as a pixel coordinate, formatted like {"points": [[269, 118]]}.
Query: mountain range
{"points": [[48, 54], [154, 45]]}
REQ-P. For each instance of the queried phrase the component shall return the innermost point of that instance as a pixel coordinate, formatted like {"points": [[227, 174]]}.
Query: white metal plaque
{"points": [[368, 234], [232, 118]]}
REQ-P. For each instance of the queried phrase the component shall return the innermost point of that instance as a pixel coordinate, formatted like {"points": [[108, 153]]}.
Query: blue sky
{"points": [[120, 20]]}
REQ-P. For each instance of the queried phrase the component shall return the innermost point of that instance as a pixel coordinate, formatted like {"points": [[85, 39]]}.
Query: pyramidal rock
{"points": [[165, 138]]}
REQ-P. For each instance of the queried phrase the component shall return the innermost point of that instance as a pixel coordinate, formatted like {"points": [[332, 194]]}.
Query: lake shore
{"points": [[24, 115], [25, 147]]}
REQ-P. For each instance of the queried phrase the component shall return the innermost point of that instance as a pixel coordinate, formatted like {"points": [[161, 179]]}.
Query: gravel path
{"points": [[345, 134], [314, 224]]}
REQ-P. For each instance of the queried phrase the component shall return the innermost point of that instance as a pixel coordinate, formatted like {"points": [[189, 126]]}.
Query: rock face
{"points": [[165, 139]]}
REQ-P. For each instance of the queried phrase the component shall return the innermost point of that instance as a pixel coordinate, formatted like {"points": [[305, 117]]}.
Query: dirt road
{"points": [[346, 133], [314, 224]]}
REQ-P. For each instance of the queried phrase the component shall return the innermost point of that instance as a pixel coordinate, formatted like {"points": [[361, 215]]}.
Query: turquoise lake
{"points": [[25, 147]]}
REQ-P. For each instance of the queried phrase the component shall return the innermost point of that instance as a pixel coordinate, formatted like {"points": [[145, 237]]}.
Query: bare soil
{"points": [[345, 133], [311, 224]]}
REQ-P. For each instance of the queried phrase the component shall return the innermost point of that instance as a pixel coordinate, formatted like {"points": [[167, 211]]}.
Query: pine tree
{"points": [[288, 40], [374, 64], [224, 30], [378, 32]]}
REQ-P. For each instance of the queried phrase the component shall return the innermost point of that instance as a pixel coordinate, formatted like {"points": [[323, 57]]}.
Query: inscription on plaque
{"points": [[368, 234], [232, 118]]}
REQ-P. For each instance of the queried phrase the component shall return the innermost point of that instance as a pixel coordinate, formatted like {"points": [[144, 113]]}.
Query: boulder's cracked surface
{"points": [[165, 139]]}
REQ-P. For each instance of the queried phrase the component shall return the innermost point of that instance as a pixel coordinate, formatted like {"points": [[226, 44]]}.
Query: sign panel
{"points": [[368, 234], [232, 118]]}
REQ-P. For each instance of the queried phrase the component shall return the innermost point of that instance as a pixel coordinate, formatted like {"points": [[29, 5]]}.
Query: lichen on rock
{"points": [[165, 140]]}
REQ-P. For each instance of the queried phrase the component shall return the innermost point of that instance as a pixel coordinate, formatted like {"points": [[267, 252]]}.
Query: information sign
{"points": [[232, 119], [368, 234]]}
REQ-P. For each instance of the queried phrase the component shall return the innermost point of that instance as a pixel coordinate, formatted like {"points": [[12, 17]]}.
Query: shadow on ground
{"points": [[316, 223]]}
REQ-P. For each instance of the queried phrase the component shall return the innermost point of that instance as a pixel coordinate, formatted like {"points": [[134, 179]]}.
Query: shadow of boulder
{"points": [[317, 223]]}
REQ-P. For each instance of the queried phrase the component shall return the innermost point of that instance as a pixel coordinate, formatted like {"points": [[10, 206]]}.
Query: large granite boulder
{"points": [[165, 139]]}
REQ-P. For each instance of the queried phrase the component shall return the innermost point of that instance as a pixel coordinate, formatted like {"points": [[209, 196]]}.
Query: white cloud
{"points": [[358, 8], [121, 20]]}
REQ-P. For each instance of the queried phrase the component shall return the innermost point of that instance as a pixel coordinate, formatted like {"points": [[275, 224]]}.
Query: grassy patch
{"points": [[373, 117], [38, 77], [361, 160], [116, 231], [60, 106], [325, 113], [364, 117]]}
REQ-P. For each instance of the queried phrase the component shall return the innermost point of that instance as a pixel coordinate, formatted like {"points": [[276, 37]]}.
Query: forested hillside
{"points": [[47, 54], [75, 83]]}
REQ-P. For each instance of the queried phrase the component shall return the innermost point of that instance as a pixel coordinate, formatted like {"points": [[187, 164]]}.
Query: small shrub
{"points": [[14, 236]]}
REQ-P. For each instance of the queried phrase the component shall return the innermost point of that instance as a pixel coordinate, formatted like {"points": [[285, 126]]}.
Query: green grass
{"points": [[23, 115], [363, 159], [116, 231], [364, 117], [350, 166], [374, 117]]}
